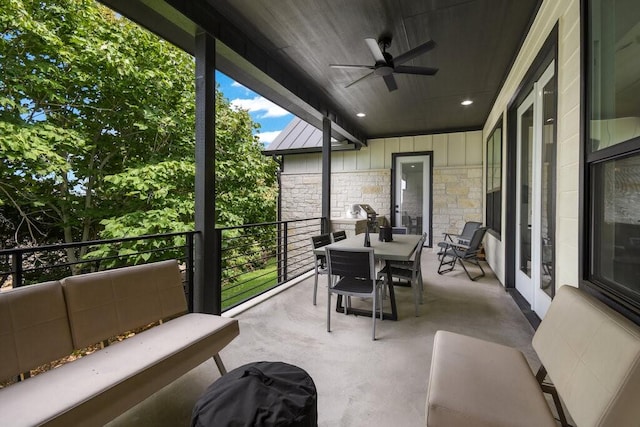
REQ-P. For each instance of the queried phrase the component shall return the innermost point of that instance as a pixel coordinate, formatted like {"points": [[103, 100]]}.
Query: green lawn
{"points": [[261, 280]]}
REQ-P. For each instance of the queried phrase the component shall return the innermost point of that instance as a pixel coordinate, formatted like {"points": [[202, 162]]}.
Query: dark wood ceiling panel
{"points": [[476, 42]]}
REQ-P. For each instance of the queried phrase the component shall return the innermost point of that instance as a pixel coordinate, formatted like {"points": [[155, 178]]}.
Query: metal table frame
{"points": [[400, 249]]}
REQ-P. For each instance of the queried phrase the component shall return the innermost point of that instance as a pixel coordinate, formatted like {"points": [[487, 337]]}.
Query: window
{"points": [[612, 184], [494, 180]]}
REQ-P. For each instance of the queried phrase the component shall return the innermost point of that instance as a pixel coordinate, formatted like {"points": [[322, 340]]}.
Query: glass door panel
{"points": [[524, 197], [526, 189], [547, 208], [412, 192]]}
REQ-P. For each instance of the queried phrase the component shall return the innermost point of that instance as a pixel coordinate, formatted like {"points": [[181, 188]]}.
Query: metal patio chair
{"points": [[409, 271], [463, 238], [352, 274], [320, 261], [464, 253], [336, 236]]}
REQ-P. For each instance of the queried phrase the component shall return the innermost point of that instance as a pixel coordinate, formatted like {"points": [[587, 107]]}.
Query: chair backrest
{"points": [[469, 228], [418, 253], [107, 303], [398, 230], [34, 328], [320, 241], [350, 262], [336, 236], [475, 241], [592, 355]]}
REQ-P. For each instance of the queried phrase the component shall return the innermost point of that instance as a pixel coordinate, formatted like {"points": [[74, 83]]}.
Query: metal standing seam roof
{"points": [[300, 137]]}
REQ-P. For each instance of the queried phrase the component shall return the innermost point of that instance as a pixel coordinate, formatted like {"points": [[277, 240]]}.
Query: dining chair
{"points": [[320, 261], [464, 253], [336, 236], [463, 238], [352, 274], [410, 271]]}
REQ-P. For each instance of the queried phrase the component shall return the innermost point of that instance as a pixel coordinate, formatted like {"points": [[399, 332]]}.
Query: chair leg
{"points": [[329, 310], [477, 263], [219, 364], [551, 389], [373, 315], [315, 288], [416, 296], [443, 262]]}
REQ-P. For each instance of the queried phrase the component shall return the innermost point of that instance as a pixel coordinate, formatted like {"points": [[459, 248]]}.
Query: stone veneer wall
{"points": [[457, 195], [457, 198], [301, 197], [301, 193], [372, 187]]}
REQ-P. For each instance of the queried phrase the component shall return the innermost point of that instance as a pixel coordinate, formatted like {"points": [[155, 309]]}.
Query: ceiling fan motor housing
{"points": [[384, 68]]}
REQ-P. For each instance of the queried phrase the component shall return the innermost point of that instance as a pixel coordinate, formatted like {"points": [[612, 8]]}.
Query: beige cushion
{"points": [[480, 383], [96, 388], [592, 355], [104, 304], [34, 328]]}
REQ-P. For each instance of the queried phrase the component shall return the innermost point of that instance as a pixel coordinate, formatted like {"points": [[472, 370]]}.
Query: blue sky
{"points": [[272, 118]]}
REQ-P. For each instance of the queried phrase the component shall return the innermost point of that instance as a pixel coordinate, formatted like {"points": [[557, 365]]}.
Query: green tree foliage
{"points": [[97, 130]]}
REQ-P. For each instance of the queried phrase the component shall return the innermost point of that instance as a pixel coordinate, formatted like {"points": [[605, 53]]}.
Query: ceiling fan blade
{"points": [[366, 76], [416, 51], [391, 82], [375, 50], [423, 71], [368, 67]]}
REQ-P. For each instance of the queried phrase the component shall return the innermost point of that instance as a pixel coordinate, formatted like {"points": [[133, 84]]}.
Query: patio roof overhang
{"points": [[283, 52]]}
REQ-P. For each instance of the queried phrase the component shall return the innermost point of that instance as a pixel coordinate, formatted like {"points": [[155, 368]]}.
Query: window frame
{"points": [[493, 219], [609, 291]]}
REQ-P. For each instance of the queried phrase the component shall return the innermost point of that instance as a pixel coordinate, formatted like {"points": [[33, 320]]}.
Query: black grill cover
{"points": [[259, 394]]}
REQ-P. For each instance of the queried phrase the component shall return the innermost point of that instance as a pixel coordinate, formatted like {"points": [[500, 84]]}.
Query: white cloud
{"points": [[236, 84], [268, 137], [259, 104]]}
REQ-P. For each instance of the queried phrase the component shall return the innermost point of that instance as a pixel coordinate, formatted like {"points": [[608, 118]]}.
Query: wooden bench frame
{"points": [[44, 322]]}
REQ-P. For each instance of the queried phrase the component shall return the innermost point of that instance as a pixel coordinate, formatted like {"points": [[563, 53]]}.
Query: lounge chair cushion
{"points": [[592, 355], [481, 384]]}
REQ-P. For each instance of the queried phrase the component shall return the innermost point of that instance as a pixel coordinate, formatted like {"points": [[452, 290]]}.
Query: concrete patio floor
{"points": [[360, 382]]}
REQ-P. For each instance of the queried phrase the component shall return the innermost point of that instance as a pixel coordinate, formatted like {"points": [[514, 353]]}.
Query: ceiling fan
{"points": [[386, 65]]}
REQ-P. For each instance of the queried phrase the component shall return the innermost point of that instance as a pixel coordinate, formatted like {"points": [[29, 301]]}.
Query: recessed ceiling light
{"points": [[467, 102], [361, 114]]}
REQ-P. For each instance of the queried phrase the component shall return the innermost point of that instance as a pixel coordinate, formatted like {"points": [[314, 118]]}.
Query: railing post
{"points": [[279, 254], [17, 269], [286, 251], [217, 259], [189, 272]]}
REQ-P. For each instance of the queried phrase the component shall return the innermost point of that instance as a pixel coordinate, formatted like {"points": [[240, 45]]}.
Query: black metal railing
{"points": [[29, 265], [254, 258], [258, 257]]}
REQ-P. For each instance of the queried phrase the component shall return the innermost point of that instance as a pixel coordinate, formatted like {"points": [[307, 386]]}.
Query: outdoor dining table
{"points": [[399, 249]]}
